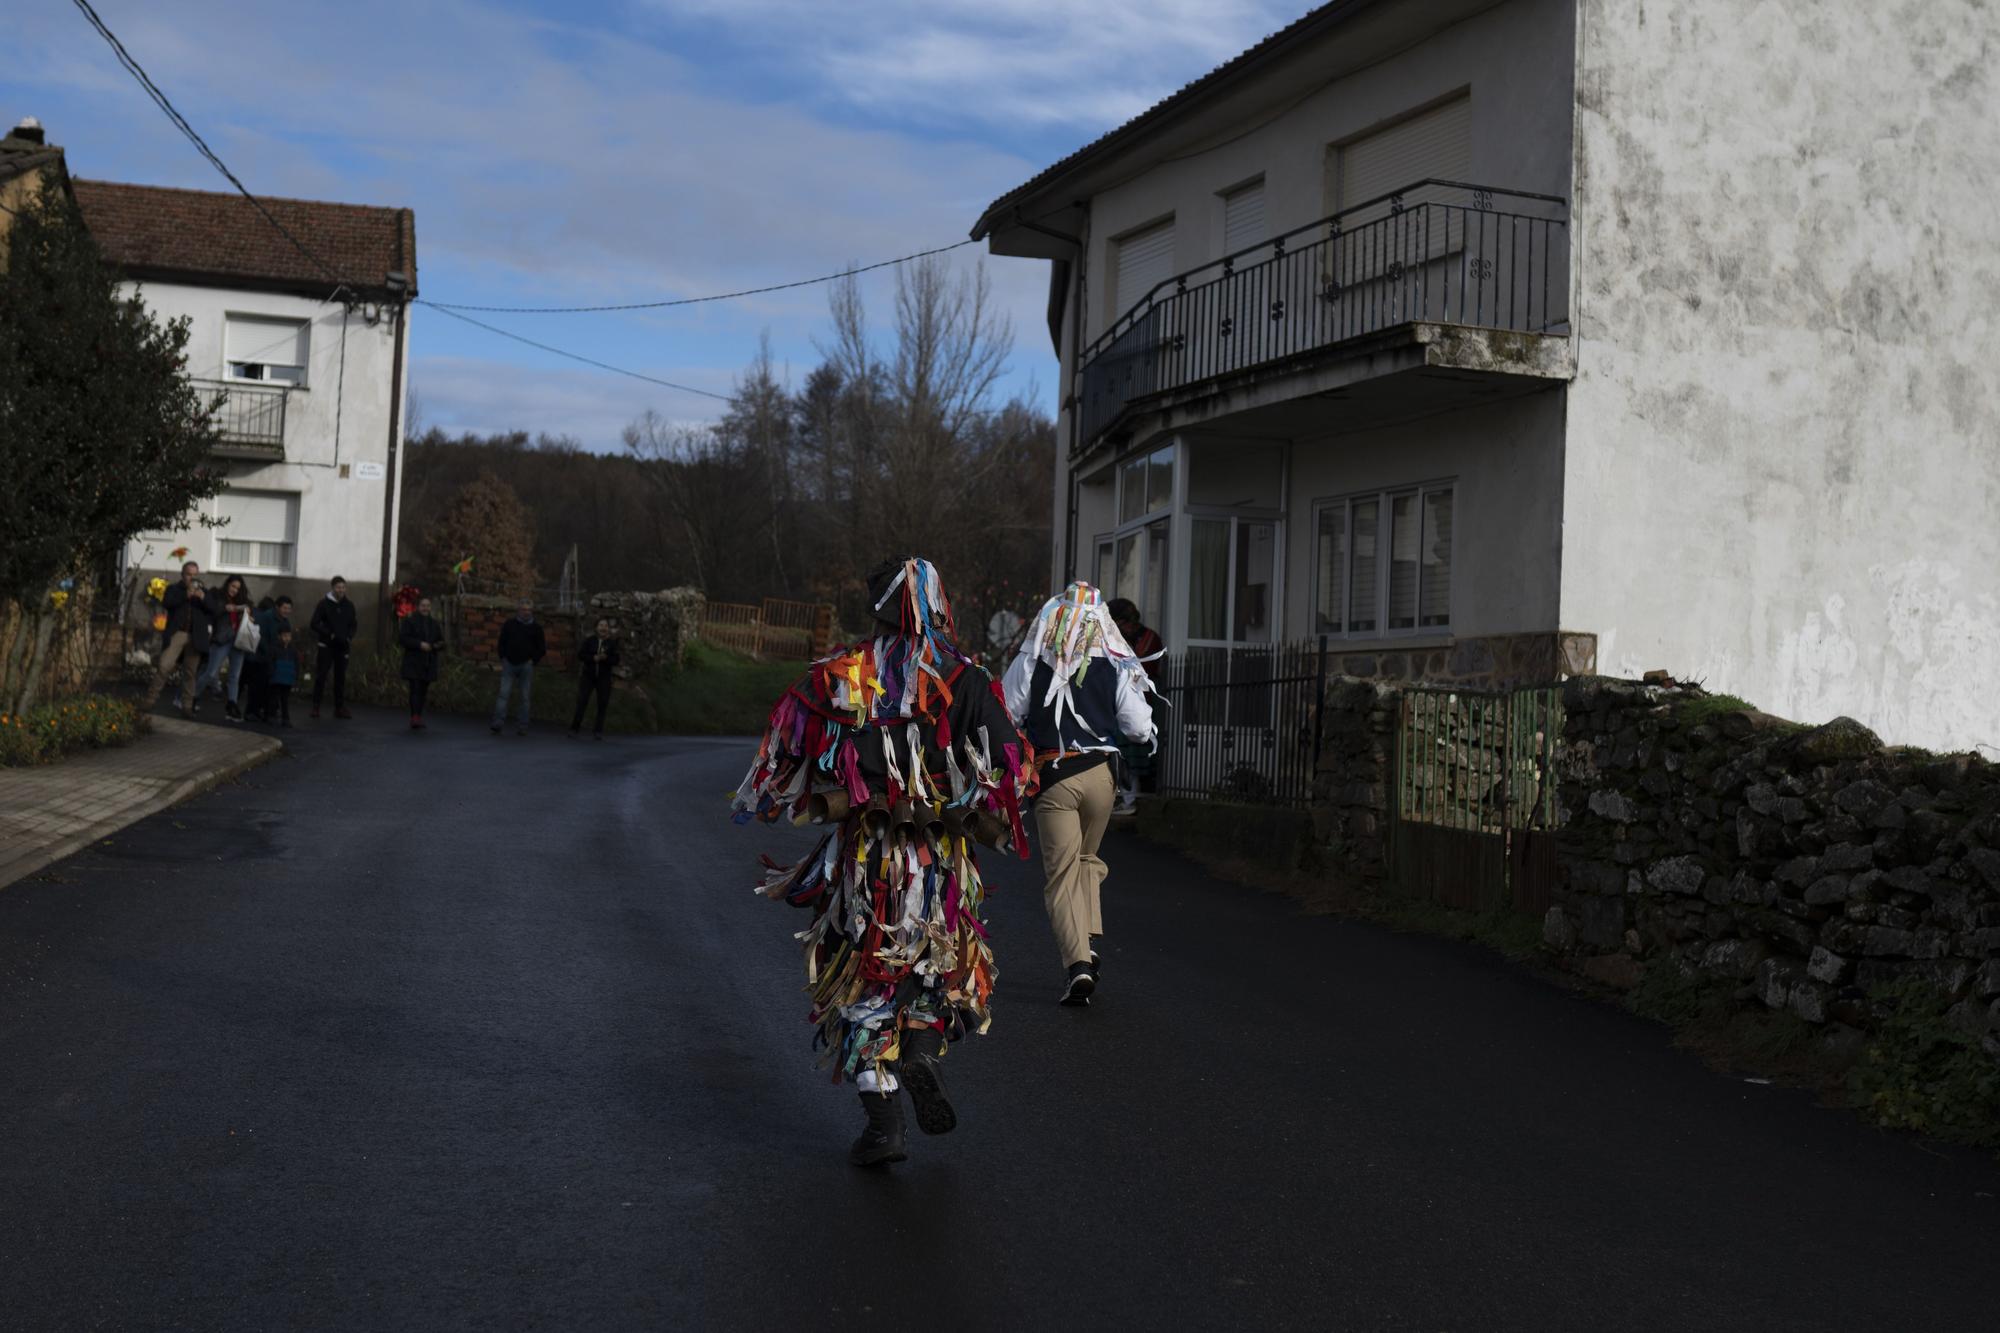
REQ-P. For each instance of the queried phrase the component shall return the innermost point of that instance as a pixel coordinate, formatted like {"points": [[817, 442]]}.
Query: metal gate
{"points": [[1473, 814], [1242, 726]]}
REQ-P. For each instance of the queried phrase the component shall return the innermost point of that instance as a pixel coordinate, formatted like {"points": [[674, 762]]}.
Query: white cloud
{"points": [[1002, 62]]}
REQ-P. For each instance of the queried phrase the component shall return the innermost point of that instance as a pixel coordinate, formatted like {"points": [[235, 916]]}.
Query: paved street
{"points": [[452, 1032]]}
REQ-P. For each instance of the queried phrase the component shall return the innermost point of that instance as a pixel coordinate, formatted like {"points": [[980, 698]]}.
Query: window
{"points": [[1243, 217], [1132, 561], [1141, 260], [259, 347], [1430, 145], [261, 535], [1383, 562]]}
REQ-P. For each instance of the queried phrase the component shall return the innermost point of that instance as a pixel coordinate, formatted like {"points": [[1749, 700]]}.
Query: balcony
{"points": [[1466, 285], [249, 417]]}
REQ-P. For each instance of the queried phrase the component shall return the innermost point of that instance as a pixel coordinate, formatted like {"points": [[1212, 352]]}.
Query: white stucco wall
{"points": [[339, 420], [1515, 59], [1782, 471]]}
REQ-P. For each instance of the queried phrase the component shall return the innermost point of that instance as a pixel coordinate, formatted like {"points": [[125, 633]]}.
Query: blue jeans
{"points": [[512, 673], [218, 653]]}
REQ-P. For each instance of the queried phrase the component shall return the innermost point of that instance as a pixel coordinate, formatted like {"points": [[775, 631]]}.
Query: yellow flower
{"points": [[58, 599], [156, 589]]}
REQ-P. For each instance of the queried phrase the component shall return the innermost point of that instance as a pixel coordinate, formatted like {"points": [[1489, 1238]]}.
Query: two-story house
{"points": [[1502, 339], [311, 374]]}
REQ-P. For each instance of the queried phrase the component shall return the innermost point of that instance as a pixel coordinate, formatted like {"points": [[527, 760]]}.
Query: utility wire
{"points": [[698, 300], [201, 145], [601, 365]]}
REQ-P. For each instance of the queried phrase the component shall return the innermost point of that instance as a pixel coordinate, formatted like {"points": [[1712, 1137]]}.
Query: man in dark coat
{"points": [[522, 644], [423, 640], [333, 627], [597, 660], [189, 624]]}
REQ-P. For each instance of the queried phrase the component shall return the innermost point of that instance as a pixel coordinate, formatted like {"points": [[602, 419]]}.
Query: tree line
{"points": [[901, 445]]}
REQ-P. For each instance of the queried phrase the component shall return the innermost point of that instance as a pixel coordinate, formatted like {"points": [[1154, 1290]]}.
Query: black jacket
{"points": [[417, 663], [195, 618], [269, 625], [522, 642], [333, 623], [594, 670]]}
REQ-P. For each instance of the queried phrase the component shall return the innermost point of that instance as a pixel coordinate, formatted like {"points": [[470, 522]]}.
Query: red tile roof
{"points": [[211, 238], [1320, 18]]}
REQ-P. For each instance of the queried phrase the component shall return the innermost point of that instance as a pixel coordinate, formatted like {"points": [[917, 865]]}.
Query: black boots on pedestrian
{"points": [[1078, 984], [882, 1142], [918, 1070]]}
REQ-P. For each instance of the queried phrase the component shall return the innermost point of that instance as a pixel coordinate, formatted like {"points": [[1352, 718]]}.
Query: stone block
{"points": [[1986, 981], [1557, 932], [1677, 874], [1810, 1001], [1984, 863], [1736, 959], [1842, 738], [1775, 979], [1799, 871], [1827, 890], [1847, 856], [1827, 966], [1863, 798], [1888, 942], [1761, 797], [1611, 805], [1601, 922]]}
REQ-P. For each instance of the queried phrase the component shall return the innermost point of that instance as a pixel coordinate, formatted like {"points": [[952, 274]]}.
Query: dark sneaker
{"points": [[232, 712], [882, 1142], [1081, 982], [917, 1069]]}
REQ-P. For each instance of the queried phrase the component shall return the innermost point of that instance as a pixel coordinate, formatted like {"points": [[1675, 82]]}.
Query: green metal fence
{"points": [[1474, 807]]}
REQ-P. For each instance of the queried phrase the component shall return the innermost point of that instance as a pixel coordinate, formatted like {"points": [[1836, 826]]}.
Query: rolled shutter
{"points": [[1243, 218], [1435, 143], [1145, 259]]}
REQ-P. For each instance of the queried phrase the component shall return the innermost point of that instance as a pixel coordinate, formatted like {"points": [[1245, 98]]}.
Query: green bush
{"points": [[715, 693], [1919, 1071], [49, 731]]}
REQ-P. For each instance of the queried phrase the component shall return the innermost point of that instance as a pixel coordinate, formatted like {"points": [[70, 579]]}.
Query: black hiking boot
{"points": [[1081, 982], [882, 1142], [917, 1068]]}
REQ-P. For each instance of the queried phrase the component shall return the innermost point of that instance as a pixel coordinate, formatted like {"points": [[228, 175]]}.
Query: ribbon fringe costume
{"points": [[905, 745]]}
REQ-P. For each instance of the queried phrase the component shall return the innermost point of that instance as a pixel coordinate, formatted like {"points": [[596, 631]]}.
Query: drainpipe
{"points": [[393, 480]]}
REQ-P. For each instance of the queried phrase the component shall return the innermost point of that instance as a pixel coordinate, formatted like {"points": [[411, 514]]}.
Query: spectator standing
{"points": [[227, 612], [1136, 761], [174, 599], [284, 673], [188, 626], [333, 628], [599, 659], [422, 638], [257, 662], [522, 645]]}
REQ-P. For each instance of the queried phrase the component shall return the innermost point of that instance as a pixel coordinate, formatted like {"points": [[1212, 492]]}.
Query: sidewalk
{"points": [[48, 813]]}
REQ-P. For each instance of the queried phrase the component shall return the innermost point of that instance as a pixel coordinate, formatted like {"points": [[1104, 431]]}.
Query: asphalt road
{"points": [[450, 1032]]}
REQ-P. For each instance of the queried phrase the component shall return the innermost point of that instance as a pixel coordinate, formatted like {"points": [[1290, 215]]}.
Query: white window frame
{"points": [[229, 367], [1138, 527], [222, 565], [1383, 561]]}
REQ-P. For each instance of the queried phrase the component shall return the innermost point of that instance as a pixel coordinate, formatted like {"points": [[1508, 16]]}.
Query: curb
{"points": [[268, 748]]}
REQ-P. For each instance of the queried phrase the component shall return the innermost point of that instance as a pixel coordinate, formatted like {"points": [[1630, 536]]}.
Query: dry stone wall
{"points": [[656, 628], [1812, 867]]}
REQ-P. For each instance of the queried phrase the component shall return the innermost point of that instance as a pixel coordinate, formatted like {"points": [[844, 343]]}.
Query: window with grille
{"points": [[1382, 562], [261, 534]]}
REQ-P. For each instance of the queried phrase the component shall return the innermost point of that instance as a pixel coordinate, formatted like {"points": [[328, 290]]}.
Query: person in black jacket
{"points": [[522, 644], [423, 641], [597, 660], [333, 627], [273, 617], [188, 627]]}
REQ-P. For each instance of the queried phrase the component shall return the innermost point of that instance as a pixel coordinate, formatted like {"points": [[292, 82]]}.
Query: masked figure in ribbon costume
{"points": [[903, 748], [1077, 690]]}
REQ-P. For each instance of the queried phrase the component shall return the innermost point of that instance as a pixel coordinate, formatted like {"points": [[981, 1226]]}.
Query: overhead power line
{"points": [[588, 361], [698, 300]]}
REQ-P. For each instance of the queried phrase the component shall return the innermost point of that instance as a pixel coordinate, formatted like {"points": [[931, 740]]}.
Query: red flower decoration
{"points": [[406, 599]]}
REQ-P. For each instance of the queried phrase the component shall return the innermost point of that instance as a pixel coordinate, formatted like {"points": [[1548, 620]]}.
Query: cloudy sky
{"points": [[656, 149]]}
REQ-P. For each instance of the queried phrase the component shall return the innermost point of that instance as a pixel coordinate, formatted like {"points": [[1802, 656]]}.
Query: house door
{"points": [[1232, 630]]}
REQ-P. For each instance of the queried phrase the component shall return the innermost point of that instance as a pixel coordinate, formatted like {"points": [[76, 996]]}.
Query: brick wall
{"points": [[477, 632]]}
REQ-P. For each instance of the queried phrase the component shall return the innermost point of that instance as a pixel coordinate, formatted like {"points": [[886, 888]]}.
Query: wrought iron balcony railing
{"points": [[1437, 251], [250, 417]]}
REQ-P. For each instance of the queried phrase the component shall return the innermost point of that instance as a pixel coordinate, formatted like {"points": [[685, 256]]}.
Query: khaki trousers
{"points": [[1070, 818], [177, 660]]}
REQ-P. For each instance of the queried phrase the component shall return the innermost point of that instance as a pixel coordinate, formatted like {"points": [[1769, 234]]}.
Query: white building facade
{"points": [[1496, 340], [311, 376]]}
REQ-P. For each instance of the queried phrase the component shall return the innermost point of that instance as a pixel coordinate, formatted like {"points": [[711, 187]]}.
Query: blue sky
{"points": [[627, 151]]}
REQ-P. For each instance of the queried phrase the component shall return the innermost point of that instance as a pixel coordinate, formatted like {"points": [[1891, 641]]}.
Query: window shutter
{"points": [[1243, 218], [274, 342], [1145, 259], [1434, 143], [270, 516]]}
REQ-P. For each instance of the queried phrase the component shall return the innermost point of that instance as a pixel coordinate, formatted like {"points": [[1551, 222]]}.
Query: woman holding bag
{"points": [[230, 610]]}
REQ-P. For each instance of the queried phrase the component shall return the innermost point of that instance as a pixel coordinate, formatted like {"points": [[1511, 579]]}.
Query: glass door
{"points": [[1233, 600]]}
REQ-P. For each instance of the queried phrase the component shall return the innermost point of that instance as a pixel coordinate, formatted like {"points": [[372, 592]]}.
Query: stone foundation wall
{"points": [[1351, 789], [1809, 866]]}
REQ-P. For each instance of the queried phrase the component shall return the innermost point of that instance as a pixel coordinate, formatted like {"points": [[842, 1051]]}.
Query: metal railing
{"points": [[249, 417], [1242, 725], [1443, 252], [775, 629]]}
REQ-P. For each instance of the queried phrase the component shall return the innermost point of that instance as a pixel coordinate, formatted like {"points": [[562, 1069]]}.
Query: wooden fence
{"points": [[787, 631]]}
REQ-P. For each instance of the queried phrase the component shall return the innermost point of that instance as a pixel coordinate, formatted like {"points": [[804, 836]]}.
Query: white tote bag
{"points": [[248, 636]]}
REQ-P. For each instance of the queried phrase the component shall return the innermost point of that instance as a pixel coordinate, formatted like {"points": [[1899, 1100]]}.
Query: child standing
{"points": [[284, 675]]}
